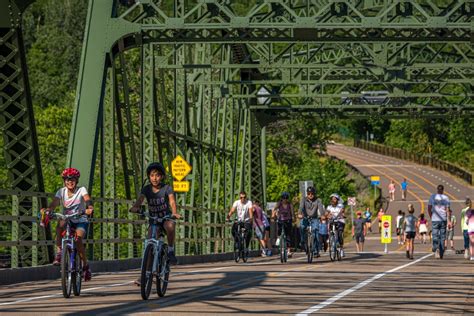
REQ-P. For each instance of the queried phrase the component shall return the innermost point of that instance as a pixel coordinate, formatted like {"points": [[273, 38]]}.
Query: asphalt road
{"points": [[369, 283]]}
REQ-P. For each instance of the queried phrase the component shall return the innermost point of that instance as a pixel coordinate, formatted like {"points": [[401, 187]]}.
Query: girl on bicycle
{"points": [[283, 212], [73, 199], [161, 202], [335, 210]]}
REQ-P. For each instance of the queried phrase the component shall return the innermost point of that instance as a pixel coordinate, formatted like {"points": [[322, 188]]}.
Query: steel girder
{"points": [[17, 126]]}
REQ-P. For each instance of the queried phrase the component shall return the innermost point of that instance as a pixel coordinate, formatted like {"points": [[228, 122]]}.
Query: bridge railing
{"points": [[114, 233], [420, 159]]}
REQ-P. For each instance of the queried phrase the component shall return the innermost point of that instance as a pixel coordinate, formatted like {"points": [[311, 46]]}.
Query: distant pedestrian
{"points": [[379, 217], [423, 228], [404, 187], [470, 230], [440, 213], [323, 234], [410, 227], [359, 231], [450, 234], [391, 190], [464, 228], [368, 219], [399, 223]]}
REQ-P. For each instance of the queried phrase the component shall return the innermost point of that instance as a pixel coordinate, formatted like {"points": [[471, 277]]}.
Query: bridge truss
{"points": [[203, 79]]}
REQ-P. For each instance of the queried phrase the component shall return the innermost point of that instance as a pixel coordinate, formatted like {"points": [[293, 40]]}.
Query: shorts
{"points": [[450, 234], [80, 226], [260, 231], [359, 238], [410, 235]]}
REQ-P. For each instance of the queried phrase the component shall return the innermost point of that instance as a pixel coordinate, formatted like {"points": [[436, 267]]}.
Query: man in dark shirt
{"points": [[359, 231]]}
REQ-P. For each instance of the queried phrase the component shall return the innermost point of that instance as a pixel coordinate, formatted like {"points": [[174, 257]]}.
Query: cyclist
{"points": [[73, 199], [283, 212], [464, 228], [244, 210], [310, 207], [335, 210], [440, 213], [161, 202]]}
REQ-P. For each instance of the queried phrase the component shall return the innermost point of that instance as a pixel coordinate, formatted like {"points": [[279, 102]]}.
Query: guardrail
{"points": [[114, 233], [420, 159]]}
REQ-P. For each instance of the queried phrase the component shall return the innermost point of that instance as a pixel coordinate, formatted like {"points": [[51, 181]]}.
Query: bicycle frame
{"points": [[157, 243]]}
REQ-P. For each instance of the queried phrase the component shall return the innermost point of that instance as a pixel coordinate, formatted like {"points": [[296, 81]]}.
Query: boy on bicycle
{"points": [[73, 199], [161, 202]]}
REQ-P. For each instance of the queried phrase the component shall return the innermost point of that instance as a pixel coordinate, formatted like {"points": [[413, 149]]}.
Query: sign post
{"points": [[180, 168], [375, 181], [386, 233], [352, 202]]}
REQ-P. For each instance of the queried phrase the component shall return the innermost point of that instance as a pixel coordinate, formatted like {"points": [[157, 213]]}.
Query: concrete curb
{"points": [[50, 272]]}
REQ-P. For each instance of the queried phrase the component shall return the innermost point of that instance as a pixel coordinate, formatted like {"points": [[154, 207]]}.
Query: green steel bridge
{"points": [[211, 76]]}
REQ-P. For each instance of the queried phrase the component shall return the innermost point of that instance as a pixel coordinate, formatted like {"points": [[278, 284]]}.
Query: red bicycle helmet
{"points": [[71, 173]]}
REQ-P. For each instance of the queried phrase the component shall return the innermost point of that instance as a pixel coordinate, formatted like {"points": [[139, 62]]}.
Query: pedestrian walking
{"points": [[464, 228], [404, 187], [470, 230], [440, 213], [368, 219], [323, 234], [423, 228], [359, 231], [450, 234], [410, 227], [399, 223], [379, 217], [391, 190], [261, 227]]}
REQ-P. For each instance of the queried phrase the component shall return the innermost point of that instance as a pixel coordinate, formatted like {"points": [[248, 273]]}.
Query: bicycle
{"points": [[334, 245], [155, 260], [282, 246], [71, 263], [239, 242], [309, 240]]}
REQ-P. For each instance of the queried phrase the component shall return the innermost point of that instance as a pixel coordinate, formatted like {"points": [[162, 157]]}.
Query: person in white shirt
{"points": [[244, 210], [440, 213]]}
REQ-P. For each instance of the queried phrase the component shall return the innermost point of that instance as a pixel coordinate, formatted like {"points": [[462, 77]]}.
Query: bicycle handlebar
{"points": [[159, 219]]}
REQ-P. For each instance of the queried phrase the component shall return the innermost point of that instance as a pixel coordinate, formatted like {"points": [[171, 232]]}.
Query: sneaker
{"points": [[289, 254], [172, 258], [408, 254], [466, 254], [87, 273], [57, 259], [437, 254], [264, 254], [411, 257], [342, 253]]}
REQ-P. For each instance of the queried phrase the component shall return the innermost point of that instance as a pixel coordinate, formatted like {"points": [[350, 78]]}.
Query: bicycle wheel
{"points": [[332, 247], [283, 252], [243, 251], [163, 272], [77, 274], [309, 247], [236, 251], [146, 280], [66, 273]]}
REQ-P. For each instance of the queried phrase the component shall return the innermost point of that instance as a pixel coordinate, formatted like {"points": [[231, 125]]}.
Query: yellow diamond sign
{"points": [[180, 168]]}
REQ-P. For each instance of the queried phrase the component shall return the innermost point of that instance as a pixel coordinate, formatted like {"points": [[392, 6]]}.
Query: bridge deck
{"points": [[368, 283]]}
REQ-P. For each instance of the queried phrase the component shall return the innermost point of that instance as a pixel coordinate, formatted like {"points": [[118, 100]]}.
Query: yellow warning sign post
{"points": [[386, 232], [180, 168]]}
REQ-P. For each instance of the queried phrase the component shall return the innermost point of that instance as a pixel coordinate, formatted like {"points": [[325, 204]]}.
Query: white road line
{"points": [[337, 297]]}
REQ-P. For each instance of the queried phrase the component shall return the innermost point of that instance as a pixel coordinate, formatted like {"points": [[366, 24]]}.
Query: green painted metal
{"points": [[203, 78]]}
